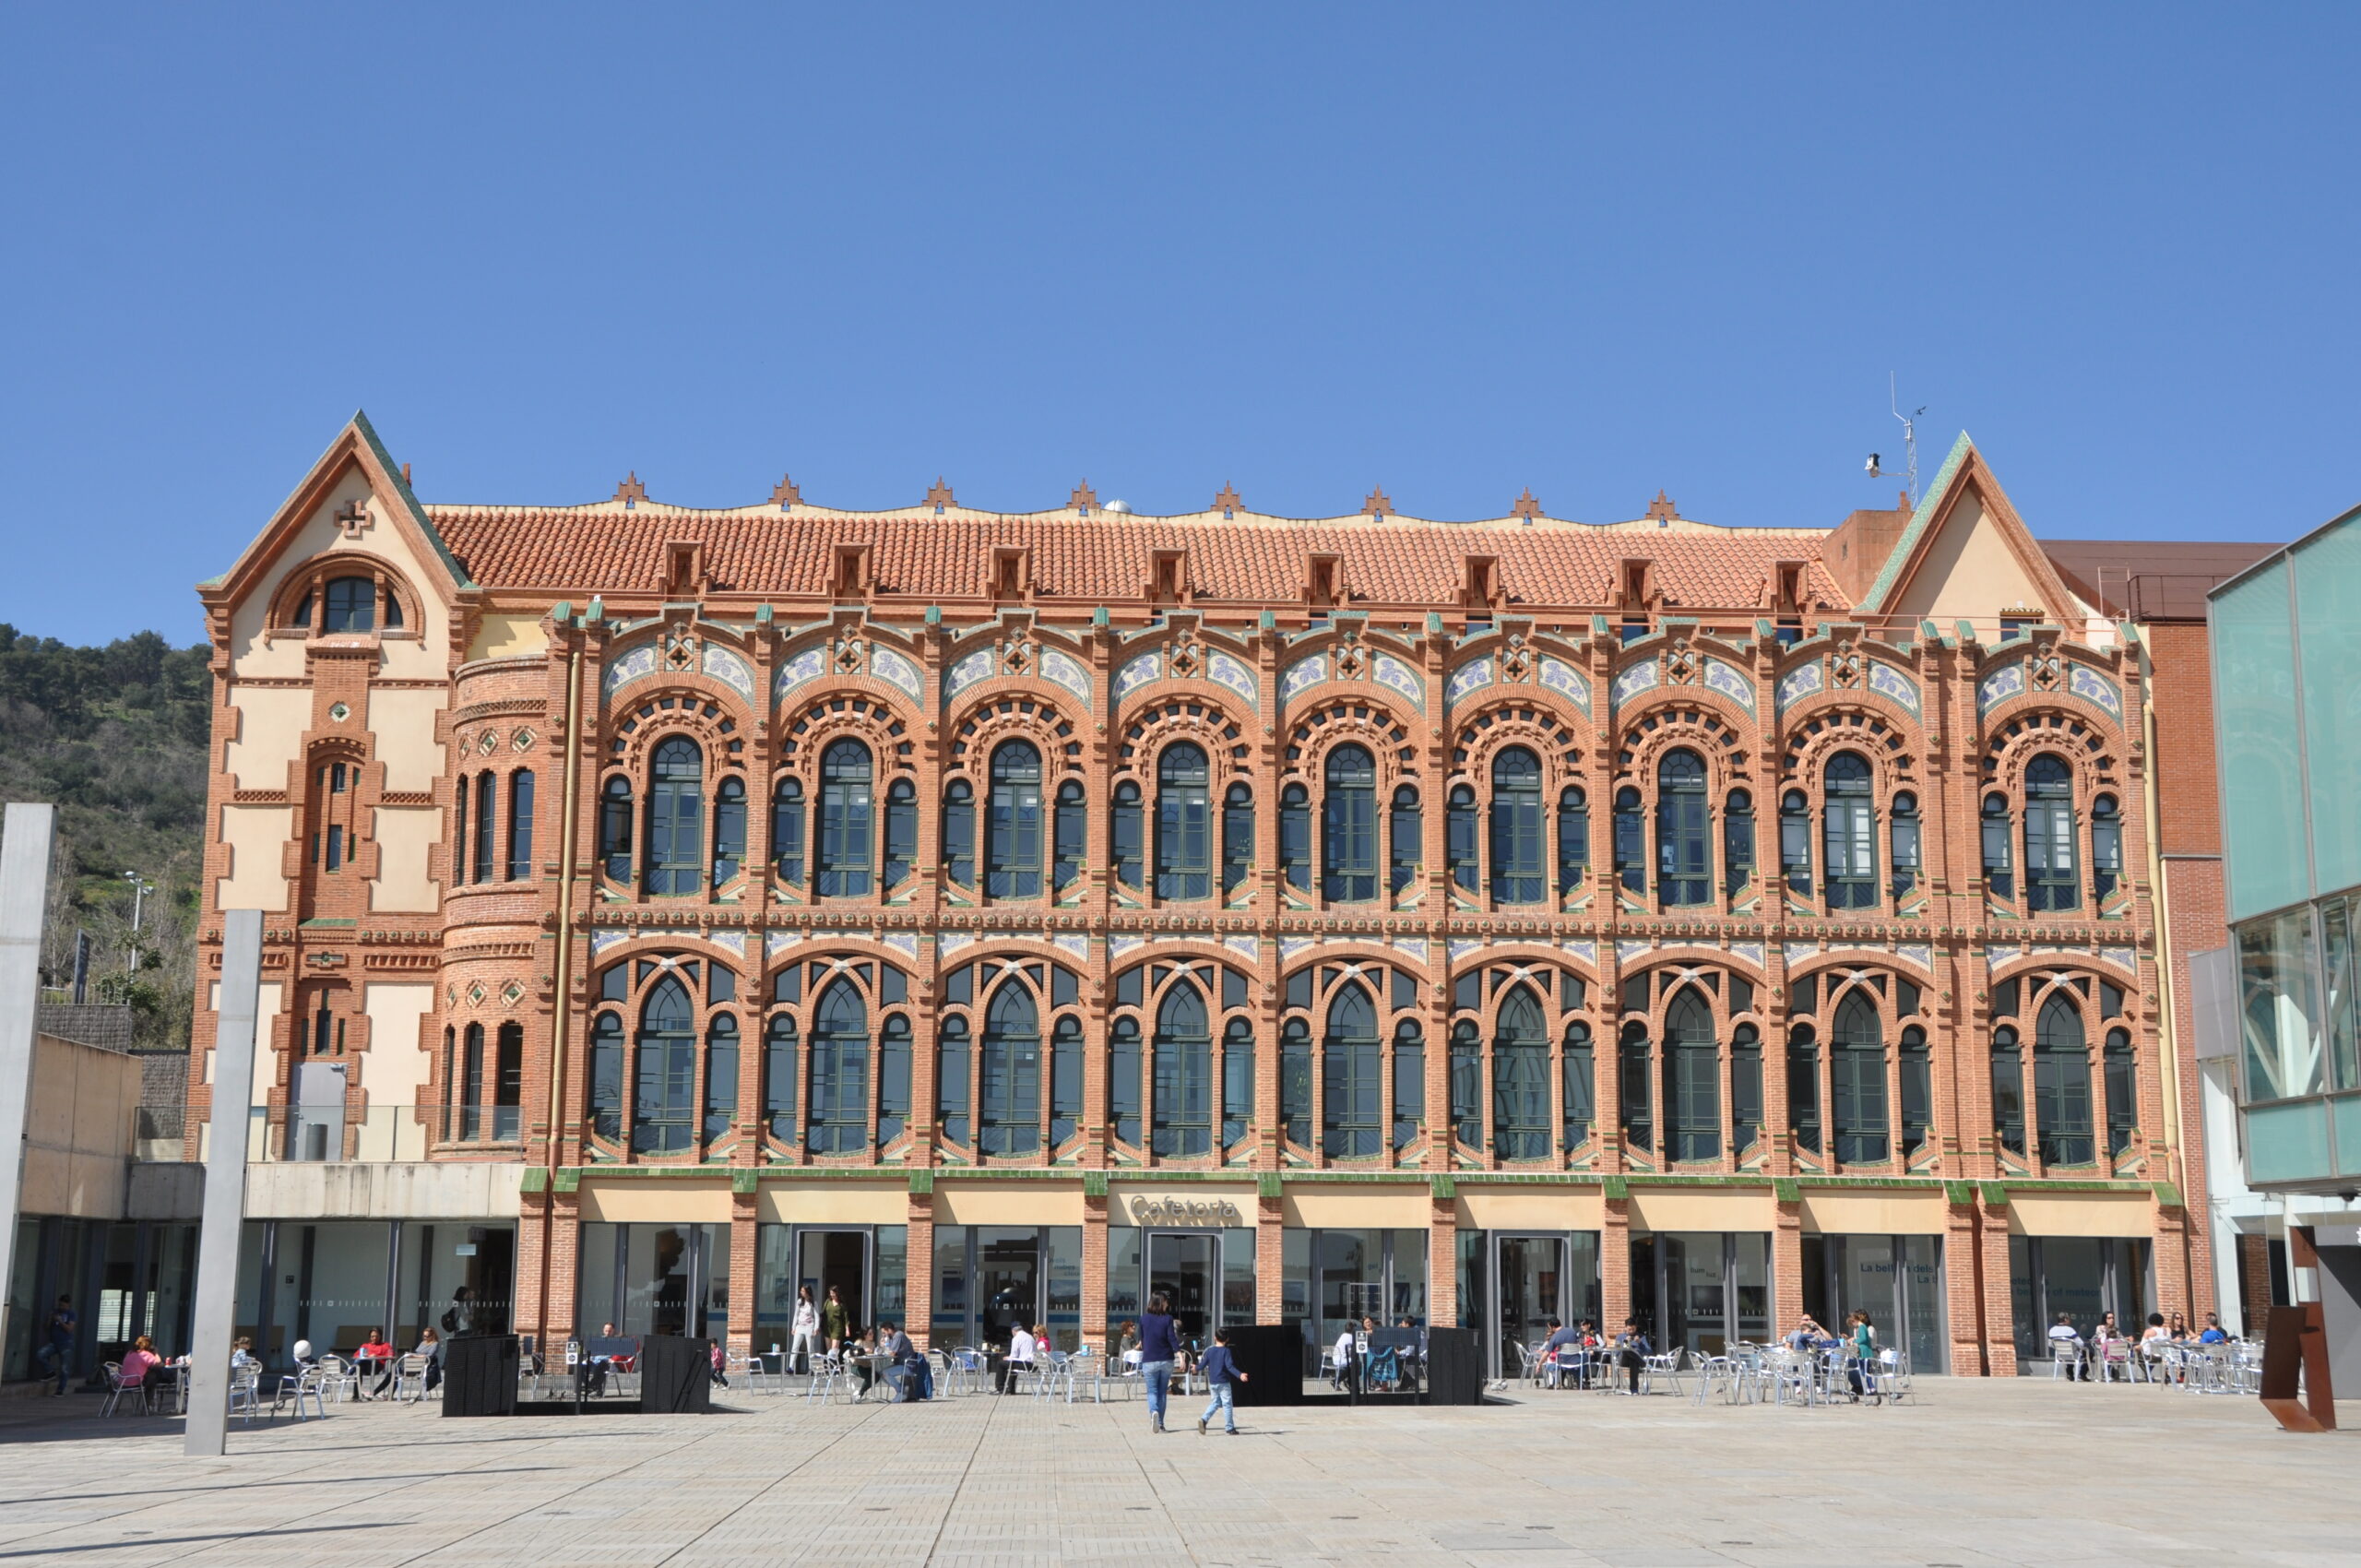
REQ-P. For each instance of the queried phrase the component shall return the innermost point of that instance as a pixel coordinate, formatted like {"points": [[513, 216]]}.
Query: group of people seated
{"points": [[1361, 1359], [1574, 1358], [2078, 1354]]}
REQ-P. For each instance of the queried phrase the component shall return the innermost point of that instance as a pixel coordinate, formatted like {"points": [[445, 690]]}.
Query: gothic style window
{"points": [[1996, 876], [676, 819], [1065, 1079], [1184, 1068], [520, 825], [1573, 838], [720, 1076], [2008, 1090], [1295, 1081], [2122, 1097], [1466, 1073], [2107, 847], [1459, 840], [951, 1064], [1738, 841], [1183, 823], [1237, 837], [1236, 1081], [1410, 1081], [1520, 1074], [901, 834], [1123, 1079], [487, 842], [1009, 1119], [1071, 827], [663, 1111], [893, 1077], [1849, 843], [1407, 832], [1745, 1086], [1348, 835], [1692, 1079], [845, 812], [607, 1076], [1638, 1121], [1684, 875], [349, 604], [1795, 841], [786, 830], [1518, 841], [780, 1076], [1352, 1113], [1294, 837], [1125, 835], [1012, 837], [2050, 881], [959, 833], [1581, 1087], [840, 1096], [1803, 1086], [1856, 1075], [1905, 843], [1918, 1088], [2061, 1083], [1631, 841], [728, 830]]}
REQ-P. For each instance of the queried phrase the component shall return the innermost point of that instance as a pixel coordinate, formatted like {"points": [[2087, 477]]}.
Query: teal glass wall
{"points": [[2262, 785], [2327, 572]]}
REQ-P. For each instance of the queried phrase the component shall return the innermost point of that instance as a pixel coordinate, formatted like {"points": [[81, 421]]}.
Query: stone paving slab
{"points": [[1972, 1475]]}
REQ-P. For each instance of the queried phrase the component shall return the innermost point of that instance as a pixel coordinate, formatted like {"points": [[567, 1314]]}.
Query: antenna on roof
{"points": [[1909, 438]]}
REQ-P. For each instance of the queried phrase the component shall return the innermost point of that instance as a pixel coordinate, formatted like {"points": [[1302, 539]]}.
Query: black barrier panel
{"points": [[675, 1376], [1455, 1367], [479, 1375], [1272, 1358]]}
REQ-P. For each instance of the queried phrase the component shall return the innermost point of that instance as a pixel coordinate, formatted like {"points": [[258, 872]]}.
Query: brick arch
{"points": [[1362, 718], [633, 735], [2050, 727], [889, 731], [1227, 739], [1846, 725], [312, 577], [978, 727], [1703, 726], [1552, 728]]}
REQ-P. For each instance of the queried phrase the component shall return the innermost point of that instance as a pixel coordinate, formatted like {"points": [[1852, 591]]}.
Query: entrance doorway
{"points": [[1698, 1291], [1515, 1283], [837, 1260], [1185, 1267]]}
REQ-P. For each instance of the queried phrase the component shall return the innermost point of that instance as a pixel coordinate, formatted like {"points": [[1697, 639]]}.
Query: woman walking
{"points": [[807, 1329], [835, 1321], [1159, 1347]]}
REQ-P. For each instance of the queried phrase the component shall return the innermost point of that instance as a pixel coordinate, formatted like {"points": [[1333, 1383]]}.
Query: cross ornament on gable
{"points": [[352, 517]]}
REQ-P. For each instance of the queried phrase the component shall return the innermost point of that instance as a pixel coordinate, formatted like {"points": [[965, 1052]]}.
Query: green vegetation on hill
{"points": [[116, 737]]}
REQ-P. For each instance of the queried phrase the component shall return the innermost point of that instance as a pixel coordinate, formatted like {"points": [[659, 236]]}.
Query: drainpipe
{"points": [[2159, 903], [567, 832]]}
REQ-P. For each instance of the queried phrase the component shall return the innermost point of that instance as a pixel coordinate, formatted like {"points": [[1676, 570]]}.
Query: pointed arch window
{"points": [[2008, 1090], [1236, 1081], [1459, 840], [662, 1110], [2050, 879], [1684, 874], [2061, 1083], [2107, 847], [1573, 838], [1294, 837], [1070, 828], [901, 834], [787, 829], [1692, 1078], [1184, 1070], [1518, 842], [1410, 1082], [959, 833], [728, 830], [675, 819], [1348, 837], [1013, 842], [1009, 1120], [1581, 1087], [1408, 831], [1352, 1109], [1803, 1086], [607, 1076], [1856, 1081], [839, 1098], [1520, 1076], [1738, 841], [1997, 877], [780, 1076], [1905, 843], [1237, 837], [1631, 845], [845, 824], [720, 1076], [1848, 835], [1183, 823]]}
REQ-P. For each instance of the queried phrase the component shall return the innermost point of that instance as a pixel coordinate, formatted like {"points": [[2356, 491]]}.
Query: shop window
{"points": [[1849, 840], [1183, 823], [1012, 832], [1348, 828], [845, 812]]}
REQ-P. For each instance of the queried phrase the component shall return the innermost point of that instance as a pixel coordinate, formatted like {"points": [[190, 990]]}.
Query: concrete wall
{"points": [[78, 1129], [396, 1190]]}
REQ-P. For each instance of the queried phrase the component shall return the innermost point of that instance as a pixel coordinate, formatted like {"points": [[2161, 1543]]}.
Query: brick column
{"points": [[1270, 1254], [1442, 1257], [1615, 1265], [530, 1313], [918, 1268], [2172, 1250], [1787, 1258], [565, 1240], [1963, 1274], [1094, 1266], [745, 1282], [1999, 1326]]}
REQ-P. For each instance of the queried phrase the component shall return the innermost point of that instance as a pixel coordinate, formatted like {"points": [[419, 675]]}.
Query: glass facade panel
{"points": [[2279, 1007], [2288, 1143], [2254, 687], [2326, 570]]}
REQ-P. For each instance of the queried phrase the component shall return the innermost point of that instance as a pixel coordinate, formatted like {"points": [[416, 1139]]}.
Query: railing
{"points": [[321, 1134]]}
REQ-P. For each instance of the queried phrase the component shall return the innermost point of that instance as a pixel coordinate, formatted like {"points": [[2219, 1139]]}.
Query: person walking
{"points": [[807, 1329], [1222, 1374], [835, 1320], [58, 1352], [1159, 1347]]}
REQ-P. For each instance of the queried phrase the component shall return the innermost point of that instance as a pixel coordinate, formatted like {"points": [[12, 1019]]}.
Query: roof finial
{"points": [[1662, 509], [1377, 506], [631, 492], [1084, 498], [1227, 503], [1526, 506], [940, 496], [784, 494]]}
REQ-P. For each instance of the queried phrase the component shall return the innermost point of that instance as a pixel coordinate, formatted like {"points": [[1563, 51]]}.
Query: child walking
{"points": [[1222, 1377]]}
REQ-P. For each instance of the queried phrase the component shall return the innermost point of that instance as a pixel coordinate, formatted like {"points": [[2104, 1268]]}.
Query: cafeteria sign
{"points": [[1185, 1211]]}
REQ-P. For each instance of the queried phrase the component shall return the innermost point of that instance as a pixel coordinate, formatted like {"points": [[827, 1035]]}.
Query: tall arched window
{"points": [[728, 830], [1573, 838], [1518, 846], [1294, 837], [1918, 1088], [1352, 1103], [2122, 1092], [901, 846], [1738, 841], [2061, 1083], [1464, 1074], [1072, 829], [1410, 1081], [786, 830], [959, 833], [1184, 1074], [1012, 842], [1348, 872], [1295, 1082], [1803, 1086], [1692, 1078], [1520, 1076], [1406, 830], [2107, 847], [471, 1078], [664, 1107], [1581, 1087], [1848, 835], [1237, 837], [1684, 873], [487, 827], [461, 818], [720, 1076], [2008, 1090], [607, 1076], [1745, 1086], [1460, 858], [1857, 1080], [676, 819], [1124, 833], [1638, 1118], [1123, 1079], [1010, 1112], [2050, 879], [839, 1098], [845, 812], [520, 825], [1184, 866], [780, 1076], [1065, 1079], [1794, 842], [1631, 841], [1236, 1081], [1904, 837], [1995, 820], [893, 1077], [951, 1075]]}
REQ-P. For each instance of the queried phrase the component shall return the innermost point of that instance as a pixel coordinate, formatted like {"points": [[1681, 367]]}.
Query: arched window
{"points": [[471, 1078], [1803, 1086], [1184, 1074], [1692, 1078], [1013, 844], [720, 1076], [1065, 1079], [676, 819], [1459, 840], [1745, 1086], [959, 833], [2008, 1090], [1581, 1087], [893, 1077], [1518, 850], [2050, 880], [1237, 837], [1638, 1118], [1520, 1074], [1738, 841], [1410, 1081], [1994, 819], [901, 854], [1352, 1108], [1573, 838], [1072, 828], [1918, 1088], [2106, 847], [349, 604], [487, 827], [840, 1122], [1124, 836], [1123, 1079], [780, 1076], [1631, 841], [1683, 873], [607, 1076], [1348, 835], [1407, 832], [845, 811], [663, 1109], [2061, 1083], [728, 830], [1009, 1120], [1848, 839], [1905, 843], [1236, 1081], [2122, 1092], [1295, 1082], [508, 1081], [951, 1064], [459, 820], [520, 825], [1857, 1080], [1184, 867], [1795, 841], [787, 829], [1465, 1074]]}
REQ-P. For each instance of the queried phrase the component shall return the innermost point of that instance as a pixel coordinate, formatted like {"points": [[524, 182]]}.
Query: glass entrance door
{"points": [[1008, 1282], [1186, 1266], [1700, 1289], [1530, 1272], [837, 1260]]}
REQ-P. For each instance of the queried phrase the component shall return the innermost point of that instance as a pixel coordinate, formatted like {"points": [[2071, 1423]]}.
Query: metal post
{"points": [[225, 1183], [24, 893]]}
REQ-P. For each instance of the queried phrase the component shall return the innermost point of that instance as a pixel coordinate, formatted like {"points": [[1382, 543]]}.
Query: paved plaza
{"points": [[1975, 1474]]}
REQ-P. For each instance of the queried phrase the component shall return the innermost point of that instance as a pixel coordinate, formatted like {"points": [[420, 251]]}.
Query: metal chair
{"points": [[301, 1385], [245, 1390], [118, 1386]]}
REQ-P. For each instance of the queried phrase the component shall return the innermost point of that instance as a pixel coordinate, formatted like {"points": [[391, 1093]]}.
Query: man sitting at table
{"points": [[1635, 1350], [1562, 1366], [908, 1371]]}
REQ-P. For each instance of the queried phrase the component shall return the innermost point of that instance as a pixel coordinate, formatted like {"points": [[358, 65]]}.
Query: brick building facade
{"points": [[994, 916]]}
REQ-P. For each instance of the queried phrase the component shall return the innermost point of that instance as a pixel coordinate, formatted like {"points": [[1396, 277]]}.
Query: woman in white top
{"points": [[1342, 1357], [807, 1329]]}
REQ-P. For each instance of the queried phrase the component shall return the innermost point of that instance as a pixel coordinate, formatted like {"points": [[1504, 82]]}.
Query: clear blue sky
{"points": [[1453, 251]]}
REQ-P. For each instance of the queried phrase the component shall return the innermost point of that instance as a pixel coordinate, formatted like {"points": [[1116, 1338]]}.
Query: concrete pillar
{"points": [[24, 896], [225, 1184]]}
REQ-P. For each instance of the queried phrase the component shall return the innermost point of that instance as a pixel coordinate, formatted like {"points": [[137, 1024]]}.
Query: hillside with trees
{"points": [[116, 737]]}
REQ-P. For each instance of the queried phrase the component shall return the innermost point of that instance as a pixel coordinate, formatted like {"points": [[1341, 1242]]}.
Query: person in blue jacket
{"points": [[1159, 1347], [1222, 1377]]}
